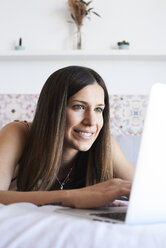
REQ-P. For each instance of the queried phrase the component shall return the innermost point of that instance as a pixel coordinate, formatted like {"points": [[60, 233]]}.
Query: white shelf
{"points": [[81, 54]]}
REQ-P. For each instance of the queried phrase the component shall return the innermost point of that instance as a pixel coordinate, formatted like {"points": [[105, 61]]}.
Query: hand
{"points": [[97, 195]]}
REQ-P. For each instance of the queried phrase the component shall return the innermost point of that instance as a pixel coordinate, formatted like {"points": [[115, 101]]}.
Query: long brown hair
{"points": [[42, 156]]}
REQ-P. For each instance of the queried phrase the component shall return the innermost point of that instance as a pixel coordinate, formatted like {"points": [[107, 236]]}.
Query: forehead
{"points": [[91, 93]]}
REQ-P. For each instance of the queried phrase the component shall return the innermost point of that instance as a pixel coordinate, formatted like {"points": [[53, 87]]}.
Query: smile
{"points": [[86, 134], [83, 134]]}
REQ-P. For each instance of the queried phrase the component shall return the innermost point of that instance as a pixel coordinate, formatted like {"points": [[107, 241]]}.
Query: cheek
{"points": [[101, 122], [99, 125], [72, 119]]}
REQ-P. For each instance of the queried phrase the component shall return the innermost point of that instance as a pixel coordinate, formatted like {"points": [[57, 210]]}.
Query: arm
{"points": [[13, 138], [89, 197], [122, 167]]}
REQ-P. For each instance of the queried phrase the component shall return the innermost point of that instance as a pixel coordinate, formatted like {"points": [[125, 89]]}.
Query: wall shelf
{"points": [[83, 54]]}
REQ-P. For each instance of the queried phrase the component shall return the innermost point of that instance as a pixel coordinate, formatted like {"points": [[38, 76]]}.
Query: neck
{"points": [[68, 157]]}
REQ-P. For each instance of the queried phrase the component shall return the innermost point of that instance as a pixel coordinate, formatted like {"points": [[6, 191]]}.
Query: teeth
{"points": [[86, 134]]}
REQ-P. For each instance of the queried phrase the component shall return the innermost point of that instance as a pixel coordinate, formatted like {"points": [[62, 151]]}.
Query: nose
{"points": [[89, 118]]}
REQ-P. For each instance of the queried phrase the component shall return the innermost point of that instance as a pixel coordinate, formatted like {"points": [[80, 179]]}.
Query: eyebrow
{"points": [[99, 104]]}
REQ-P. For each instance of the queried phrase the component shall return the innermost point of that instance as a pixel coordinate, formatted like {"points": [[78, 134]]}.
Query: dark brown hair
{"points": [[42, 157]]}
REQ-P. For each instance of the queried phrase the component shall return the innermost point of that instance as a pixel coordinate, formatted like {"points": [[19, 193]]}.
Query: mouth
{"points": [[84, 134]]}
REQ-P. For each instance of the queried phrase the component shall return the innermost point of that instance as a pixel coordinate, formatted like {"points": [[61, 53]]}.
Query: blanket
{"points": [[24, 225]]}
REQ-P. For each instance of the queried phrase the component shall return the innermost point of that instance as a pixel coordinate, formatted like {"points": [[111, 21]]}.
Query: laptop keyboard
{"points": [[115, 216]]}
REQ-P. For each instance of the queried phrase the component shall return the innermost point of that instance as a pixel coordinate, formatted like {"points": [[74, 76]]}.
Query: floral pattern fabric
{"points": [[127, 112]]}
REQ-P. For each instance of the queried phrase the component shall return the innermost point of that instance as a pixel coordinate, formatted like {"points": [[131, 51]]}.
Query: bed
{"points": [[24, 225]]}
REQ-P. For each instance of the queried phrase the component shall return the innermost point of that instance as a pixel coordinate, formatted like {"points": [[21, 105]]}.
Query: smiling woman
{"points": [[67, 146], [84, 118]]}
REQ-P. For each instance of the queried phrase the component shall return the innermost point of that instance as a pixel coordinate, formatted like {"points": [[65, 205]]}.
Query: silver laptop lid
{"points": [[148, 196]]}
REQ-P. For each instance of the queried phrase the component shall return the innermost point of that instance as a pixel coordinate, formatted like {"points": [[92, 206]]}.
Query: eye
{"points": [[100, 110], [78, 106]]}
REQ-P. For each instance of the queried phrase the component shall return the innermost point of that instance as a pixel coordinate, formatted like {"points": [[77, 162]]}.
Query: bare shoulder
{"points": [[14, 134], [16, 127]]}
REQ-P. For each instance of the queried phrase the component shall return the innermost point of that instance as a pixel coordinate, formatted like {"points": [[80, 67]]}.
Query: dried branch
{"points": [[79, 9]]}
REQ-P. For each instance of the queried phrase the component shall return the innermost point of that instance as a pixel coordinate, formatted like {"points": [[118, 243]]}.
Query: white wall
{"points": [[43, 25]]}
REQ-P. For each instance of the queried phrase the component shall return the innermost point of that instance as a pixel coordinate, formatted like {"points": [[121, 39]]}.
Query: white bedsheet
{"points": [[24, 225]]}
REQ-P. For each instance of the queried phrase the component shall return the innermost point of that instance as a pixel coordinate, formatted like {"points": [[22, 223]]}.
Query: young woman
{"points": [[66, 155]]}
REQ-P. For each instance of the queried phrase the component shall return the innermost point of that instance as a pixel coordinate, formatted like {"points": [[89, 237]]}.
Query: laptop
{"points": [[147, 202]]}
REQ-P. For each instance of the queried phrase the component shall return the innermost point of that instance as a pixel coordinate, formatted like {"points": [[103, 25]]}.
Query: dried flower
{"points": [[80, 9]]}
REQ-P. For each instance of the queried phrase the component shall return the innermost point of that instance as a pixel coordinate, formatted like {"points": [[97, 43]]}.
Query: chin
{"points": [[80, 146], [83, 148]]}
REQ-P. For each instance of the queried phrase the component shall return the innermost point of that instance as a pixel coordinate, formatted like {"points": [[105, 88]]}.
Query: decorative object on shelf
{"points": [[20, 46], [79, 10], [123, 44]]}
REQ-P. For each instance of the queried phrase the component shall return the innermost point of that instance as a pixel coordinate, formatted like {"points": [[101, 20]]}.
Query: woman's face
{"points": [[84, 117]]}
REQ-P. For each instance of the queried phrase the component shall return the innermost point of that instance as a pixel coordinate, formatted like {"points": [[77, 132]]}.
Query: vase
{"points": [[79, 39]]}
